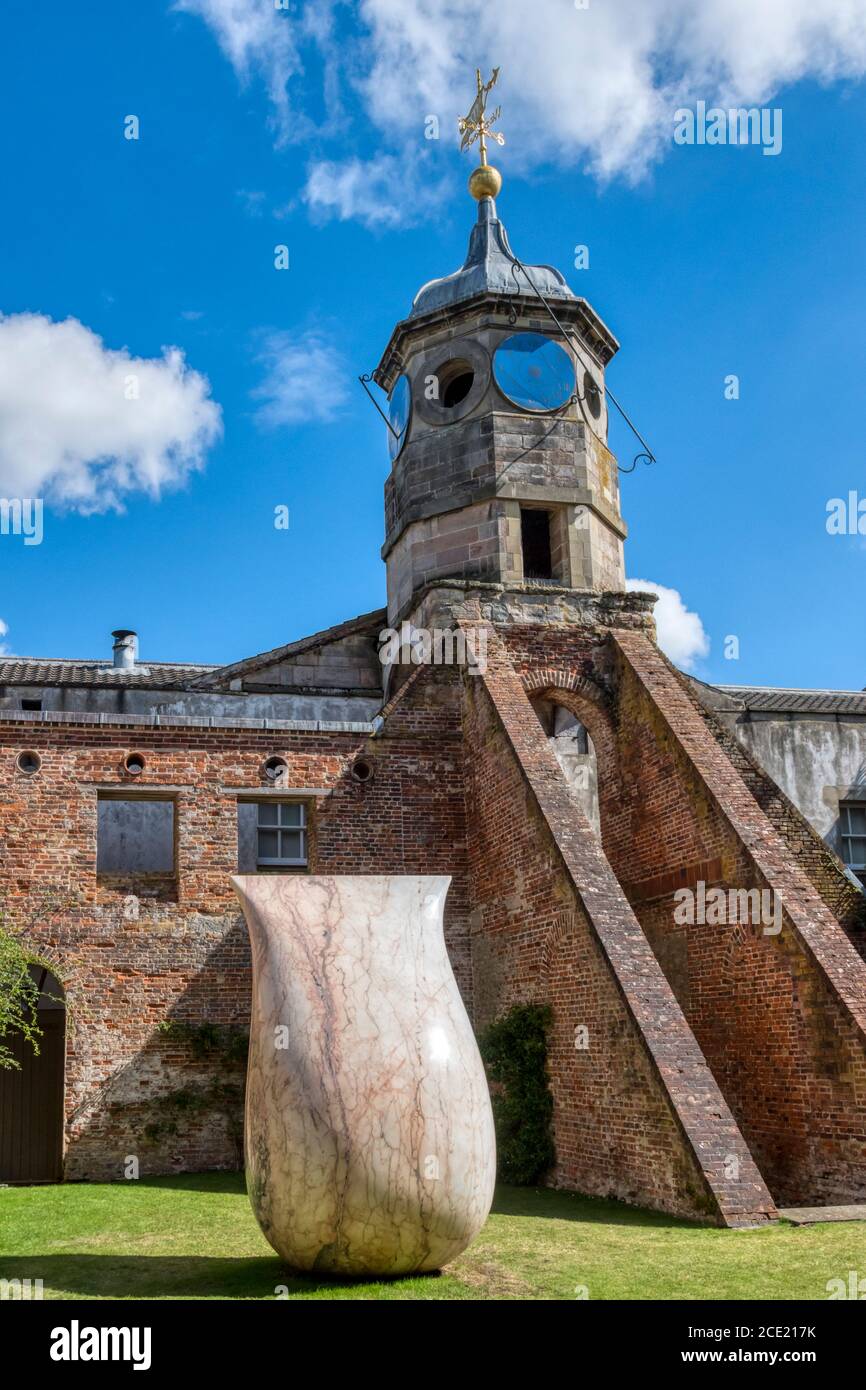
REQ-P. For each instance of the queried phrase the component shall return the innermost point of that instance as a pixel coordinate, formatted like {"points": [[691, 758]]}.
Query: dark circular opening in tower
{"points": [[134, 764], [458, 389], [455, 382], [28, 762]]}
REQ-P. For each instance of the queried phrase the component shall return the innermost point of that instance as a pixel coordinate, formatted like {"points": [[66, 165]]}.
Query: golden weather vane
{"points": [[485, 181]]}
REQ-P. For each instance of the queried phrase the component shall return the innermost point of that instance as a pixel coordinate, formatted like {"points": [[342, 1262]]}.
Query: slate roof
{"points": [[37, 670], [489, 265], [776, 700]]}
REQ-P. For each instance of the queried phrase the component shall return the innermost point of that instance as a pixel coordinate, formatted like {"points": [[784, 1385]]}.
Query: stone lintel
{"points": [[506, 491], [275, 793]]}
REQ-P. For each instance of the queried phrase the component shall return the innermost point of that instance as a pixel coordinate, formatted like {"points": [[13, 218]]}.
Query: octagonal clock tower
{"points": [[501, 472]]}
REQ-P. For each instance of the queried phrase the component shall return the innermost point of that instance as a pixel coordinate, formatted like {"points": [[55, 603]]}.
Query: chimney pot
{"points": [[125, 648]]}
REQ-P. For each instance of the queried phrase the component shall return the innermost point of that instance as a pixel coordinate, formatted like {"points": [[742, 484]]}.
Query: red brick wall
{"points": [[635, 1109], [780, 1018], [465, 783], [185, 957]]}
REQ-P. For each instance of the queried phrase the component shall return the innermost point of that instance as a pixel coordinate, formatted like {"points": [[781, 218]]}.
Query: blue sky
{"points": [[705, 262]]}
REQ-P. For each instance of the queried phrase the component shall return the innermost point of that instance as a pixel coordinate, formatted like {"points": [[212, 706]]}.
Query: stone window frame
{"points": [[132, 793], [558, 514], [249, 797], [435, 357]]}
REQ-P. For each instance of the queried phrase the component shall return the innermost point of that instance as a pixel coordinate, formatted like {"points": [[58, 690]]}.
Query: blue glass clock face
{"points": [[398, 415], [534, 372]]}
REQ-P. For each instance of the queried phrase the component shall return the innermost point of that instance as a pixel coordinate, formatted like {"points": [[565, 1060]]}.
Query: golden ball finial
{"points": [[485, 182]]}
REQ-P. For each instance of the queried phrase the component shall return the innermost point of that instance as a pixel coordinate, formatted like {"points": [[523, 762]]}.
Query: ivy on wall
{"points": [[514, 1050], [223, 1098], [168, 1113], [19, 995], [19, 992], [209, 1039]]}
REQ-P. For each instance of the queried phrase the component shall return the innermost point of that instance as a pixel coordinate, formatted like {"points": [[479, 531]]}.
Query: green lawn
{"points": [[195, 1237]]}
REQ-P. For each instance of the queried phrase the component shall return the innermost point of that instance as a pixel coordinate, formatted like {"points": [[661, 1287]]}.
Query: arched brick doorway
{"points": [[31, 1095]]}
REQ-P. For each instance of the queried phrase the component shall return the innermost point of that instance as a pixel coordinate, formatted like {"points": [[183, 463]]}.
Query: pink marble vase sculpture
{"points": [[369, 1133]]}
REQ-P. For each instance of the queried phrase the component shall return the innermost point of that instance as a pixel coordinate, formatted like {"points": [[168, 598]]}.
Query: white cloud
{"points": [[595, 86], [252, 201], [83, 425], [3, 631], [681, 634], [601, 85], [304, 379], [258, 37], [381, 192]]}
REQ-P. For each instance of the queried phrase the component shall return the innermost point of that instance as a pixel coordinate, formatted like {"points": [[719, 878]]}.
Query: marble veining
{"points": [[369, 1133]]}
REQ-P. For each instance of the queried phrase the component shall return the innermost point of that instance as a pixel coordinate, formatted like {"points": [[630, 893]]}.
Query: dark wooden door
{"points": [[31, 1105]]}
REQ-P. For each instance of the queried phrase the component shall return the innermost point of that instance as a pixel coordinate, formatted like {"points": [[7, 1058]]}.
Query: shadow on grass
{"points": [[118, 1276], [144, 1276], [220, 1180], [544, 1202], [548, 1203], [184, 1276]]}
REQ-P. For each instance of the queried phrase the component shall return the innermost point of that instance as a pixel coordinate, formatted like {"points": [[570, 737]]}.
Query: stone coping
{"points": [[810, 1216], [184, 721]]}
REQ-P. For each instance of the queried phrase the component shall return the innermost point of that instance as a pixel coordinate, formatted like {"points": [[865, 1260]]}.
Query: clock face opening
{"points": [[399, 409], [534, 372], [455, 380]]}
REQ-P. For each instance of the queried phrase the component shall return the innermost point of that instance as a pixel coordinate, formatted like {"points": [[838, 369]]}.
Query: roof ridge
{"points": [[300, 644], [9, 658], [795, 689]]}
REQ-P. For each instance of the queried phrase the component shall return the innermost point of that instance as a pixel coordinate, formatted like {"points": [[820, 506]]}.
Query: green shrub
{"points": [[514, 1049], [19, 996], [19, 993], [207, 1039]]}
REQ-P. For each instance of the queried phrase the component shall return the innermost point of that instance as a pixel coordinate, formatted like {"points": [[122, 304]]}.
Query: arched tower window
{"points": [[575, 753]]}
